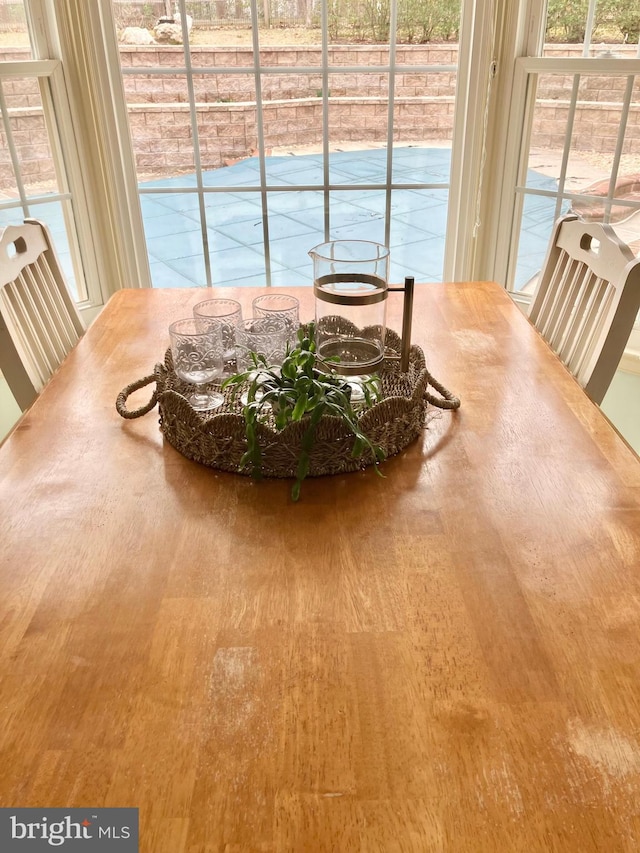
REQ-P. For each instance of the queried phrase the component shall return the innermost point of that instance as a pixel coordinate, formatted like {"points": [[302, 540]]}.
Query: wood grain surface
{"points": [[446, 659]]}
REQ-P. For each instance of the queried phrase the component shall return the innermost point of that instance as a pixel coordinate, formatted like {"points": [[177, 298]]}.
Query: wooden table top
{"points": [[447, 659]]}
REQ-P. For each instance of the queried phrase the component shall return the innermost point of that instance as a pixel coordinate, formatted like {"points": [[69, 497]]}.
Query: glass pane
{"points": [[285, 87], [299, 166], [227, 127], [358, 121], [10, 215], [566, 25], [358, 163], [290, 245], [418, 23], [174, 234], [596, 127], [357, 215], [426, 163], [58, 216], [14, 35], [296, 225], [160, 122], [234, 39], [363, 55], [238, 215], [423, 117], [8, 182], [424, 54], [292, 115], [172, 226], [243, 267], [30, 136], [535, 230], [591, 155], [593, 137], [616, 25], [425, 23], [418, 228], [33, 178], [626, 220], [21, 92]]}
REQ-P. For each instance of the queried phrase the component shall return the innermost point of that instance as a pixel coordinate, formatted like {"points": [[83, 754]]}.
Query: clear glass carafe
{"points": [[350, 279]]}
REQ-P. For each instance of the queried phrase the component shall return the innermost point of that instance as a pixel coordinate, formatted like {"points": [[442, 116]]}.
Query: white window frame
{"points": [[82, 35], [69, 42], [508, 140], [93, 127], [527, 70], [493, 33], [477, 31], [49, 76]]}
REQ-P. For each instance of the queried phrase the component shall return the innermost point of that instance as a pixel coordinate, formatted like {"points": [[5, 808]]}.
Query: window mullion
{"points": [[325, 120], [257, 68], [196, 141], [13, 154], [393, 24], [588, 34], [615, 166], [573, 103]]}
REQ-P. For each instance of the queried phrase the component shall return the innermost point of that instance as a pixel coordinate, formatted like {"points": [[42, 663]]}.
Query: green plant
{"points": [[566, 20], [299, 390], [422, 22], [620, 15]]}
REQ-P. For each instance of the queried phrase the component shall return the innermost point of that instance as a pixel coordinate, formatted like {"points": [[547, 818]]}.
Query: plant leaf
{"points": [[300, 407]]}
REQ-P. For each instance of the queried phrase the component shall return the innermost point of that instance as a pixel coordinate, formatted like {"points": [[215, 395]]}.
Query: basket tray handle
{"points": [[446, 401], [135, 386]]}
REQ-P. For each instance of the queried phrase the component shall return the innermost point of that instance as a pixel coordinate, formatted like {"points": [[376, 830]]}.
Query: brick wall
{"points": [[162, 132], [595, 128], [292, 113], [29, 135]]}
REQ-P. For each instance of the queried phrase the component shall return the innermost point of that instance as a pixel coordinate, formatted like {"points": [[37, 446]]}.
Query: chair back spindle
{"points": [[39, 322], [587, 299]]}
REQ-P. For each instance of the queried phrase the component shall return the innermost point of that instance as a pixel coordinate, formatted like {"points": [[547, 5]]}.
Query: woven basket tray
{"points": [[217, 439]]}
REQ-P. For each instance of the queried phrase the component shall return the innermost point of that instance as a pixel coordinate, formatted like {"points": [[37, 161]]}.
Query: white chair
{"points": [[587, 299], [39, 322]]}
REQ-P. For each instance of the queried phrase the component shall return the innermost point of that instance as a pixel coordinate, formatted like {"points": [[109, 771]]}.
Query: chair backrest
{"points": [[587, 299], [39, 322]]}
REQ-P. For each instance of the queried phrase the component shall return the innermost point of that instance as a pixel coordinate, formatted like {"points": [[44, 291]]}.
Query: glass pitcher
{"points": [[350, 280]]}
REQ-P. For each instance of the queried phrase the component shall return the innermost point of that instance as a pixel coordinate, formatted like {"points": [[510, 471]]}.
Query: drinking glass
{"points": [[197, 359], [228, 312], [280, 305], [266, 336]]}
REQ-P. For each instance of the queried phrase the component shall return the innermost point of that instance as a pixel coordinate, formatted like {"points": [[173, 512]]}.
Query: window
{"points": [[574, 136], [72, 43], [36, 150], [247, 156]]}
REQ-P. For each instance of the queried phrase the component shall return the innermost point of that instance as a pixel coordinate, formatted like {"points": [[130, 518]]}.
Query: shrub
{"points": [[615, 20]]}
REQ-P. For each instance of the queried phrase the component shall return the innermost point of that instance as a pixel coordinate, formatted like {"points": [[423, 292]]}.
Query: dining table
{"points": [[442, 658]]}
